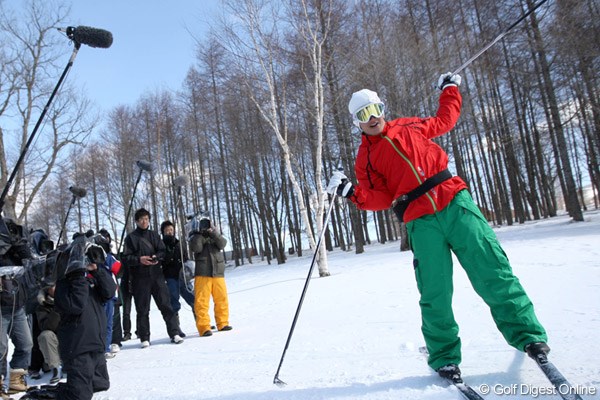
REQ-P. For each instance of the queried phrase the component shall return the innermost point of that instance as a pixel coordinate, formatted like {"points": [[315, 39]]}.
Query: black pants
{"points": [[117, 332], [144, 287], [37, 358], [86, 374], [126, 300]]}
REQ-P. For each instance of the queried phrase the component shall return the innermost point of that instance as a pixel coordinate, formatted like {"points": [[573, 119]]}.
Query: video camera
{"points": [[198, 223], [82, 251]]}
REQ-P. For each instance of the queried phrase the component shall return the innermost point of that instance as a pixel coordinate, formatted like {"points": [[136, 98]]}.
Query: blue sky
{"points": [[152, 46]]}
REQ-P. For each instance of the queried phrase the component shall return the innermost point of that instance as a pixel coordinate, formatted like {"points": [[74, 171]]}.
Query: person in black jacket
{"points": [[143, 254], [14, 249], [79, 299], [175, 256]]}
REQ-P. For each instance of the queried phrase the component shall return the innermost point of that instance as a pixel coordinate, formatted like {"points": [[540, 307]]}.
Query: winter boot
{"points": [[538, 351], [179, 326], [451, 372], [3, 394], [55, 377], [17, 381], [177, 339]]}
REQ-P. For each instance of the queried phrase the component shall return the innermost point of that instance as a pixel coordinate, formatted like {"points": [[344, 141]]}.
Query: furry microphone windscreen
{"points": [[92, 37], [181, 181], [78, 191], [145, 165]]}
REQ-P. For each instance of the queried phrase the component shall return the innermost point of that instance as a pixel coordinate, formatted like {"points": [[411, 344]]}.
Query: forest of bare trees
{"points": [[261, 120]]}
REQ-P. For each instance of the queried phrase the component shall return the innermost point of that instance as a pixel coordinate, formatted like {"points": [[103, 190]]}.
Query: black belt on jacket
{"points": [[402, 202]]}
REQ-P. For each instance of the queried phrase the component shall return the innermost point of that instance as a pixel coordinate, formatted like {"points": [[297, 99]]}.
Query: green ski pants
{"points": [[462, 229]]}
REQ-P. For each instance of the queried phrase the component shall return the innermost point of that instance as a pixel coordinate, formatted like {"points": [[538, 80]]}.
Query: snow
{"points": [[358, 333]]}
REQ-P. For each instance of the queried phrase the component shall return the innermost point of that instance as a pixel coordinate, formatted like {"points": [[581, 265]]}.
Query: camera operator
{"points": [[209, 276], [81, 291], [14, 248], [144, 251]]}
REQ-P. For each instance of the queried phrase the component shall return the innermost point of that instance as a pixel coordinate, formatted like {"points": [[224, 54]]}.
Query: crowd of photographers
{"points": [[61, 308]]}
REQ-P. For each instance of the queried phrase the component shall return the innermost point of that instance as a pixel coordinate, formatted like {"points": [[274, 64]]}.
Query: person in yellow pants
{"points": [[207, 244]]}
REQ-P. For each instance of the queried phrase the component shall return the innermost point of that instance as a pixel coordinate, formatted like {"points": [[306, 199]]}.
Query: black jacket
{"points": [[80, 302], [143, 242], [171, 265], [13, 293], [47, 317]]}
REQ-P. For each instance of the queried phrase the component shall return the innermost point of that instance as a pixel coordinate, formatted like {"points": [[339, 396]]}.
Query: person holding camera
{"points": [[143, 255], [209, 276], [81, 291], [14, 250]]}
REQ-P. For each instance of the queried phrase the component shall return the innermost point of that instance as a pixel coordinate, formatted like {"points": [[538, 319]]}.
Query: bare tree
{"points": [[32, 52]]}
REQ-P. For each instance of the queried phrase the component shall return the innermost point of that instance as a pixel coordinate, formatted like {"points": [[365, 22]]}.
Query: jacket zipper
{"points": [[413, 170]]}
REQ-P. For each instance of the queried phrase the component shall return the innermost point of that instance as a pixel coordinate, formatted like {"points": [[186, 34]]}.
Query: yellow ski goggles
{"points": [[372, 110]]}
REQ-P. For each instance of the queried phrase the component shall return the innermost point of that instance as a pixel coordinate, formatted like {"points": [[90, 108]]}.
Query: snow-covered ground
{"points": [[358, 333]]}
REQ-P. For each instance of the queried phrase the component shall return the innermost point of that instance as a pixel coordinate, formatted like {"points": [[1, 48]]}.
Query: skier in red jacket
{"points": [[399, 166]]}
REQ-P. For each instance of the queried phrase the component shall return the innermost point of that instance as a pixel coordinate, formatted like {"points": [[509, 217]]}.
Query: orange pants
{"points": [[204, 287]]}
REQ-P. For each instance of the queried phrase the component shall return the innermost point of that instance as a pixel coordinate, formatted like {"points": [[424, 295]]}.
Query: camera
{"points": [[204, 224], [198, 223]]}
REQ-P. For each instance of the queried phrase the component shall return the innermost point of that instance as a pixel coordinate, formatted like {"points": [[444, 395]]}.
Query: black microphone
{"points": [[78, 191], [93, 37], [181, 180], [145, 165]]}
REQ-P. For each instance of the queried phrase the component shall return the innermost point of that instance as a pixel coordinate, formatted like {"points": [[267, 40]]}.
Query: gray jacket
{"points": [[208, 254]]}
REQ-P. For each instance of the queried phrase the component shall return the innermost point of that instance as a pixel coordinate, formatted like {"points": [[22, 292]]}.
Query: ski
{"points": [[465, 390], [560, 383]]}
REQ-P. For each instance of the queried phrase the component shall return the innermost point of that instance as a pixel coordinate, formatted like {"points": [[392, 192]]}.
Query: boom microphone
{"points": [[93, 37], [181, 180], [145, 165], [78, 191]]}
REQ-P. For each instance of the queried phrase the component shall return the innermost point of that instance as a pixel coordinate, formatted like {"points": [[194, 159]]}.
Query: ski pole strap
{"points": [[401, 203]]}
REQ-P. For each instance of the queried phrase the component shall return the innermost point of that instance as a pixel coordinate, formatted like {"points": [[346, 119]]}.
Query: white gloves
{"points": [[448, 79], [339, 183]]}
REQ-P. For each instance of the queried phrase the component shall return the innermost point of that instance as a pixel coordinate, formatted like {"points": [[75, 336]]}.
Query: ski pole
{"points": [[500, 36], [276, 379]]}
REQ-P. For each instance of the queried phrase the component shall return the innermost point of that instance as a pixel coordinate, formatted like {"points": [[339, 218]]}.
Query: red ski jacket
{"points": [[404, 156]]}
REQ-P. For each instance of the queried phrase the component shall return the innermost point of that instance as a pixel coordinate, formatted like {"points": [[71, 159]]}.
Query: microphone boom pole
{"points": [[37, 125], [143, 166], [180, 182], [77, 194]]}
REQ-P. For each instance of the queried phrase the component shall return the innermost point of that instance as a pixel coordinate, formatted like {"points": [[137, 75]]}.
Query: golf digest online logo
{"points": [[536, 391]]}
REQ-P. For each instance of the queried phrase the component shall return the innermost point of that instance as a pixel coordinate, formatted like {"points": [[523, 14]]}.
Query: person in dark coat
{"points": [[14, 249], [175, 256], [143, 254], [79, 299]]}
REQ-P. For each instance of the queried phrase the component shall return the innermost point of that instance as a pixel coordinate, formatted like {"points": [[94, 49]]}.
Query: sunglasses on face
{"points": [[372, 110]]}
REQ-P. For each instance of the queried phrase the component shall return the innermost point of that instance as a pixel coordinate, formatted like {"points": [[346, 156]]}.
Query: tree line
{"points": [[261, 120]]}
